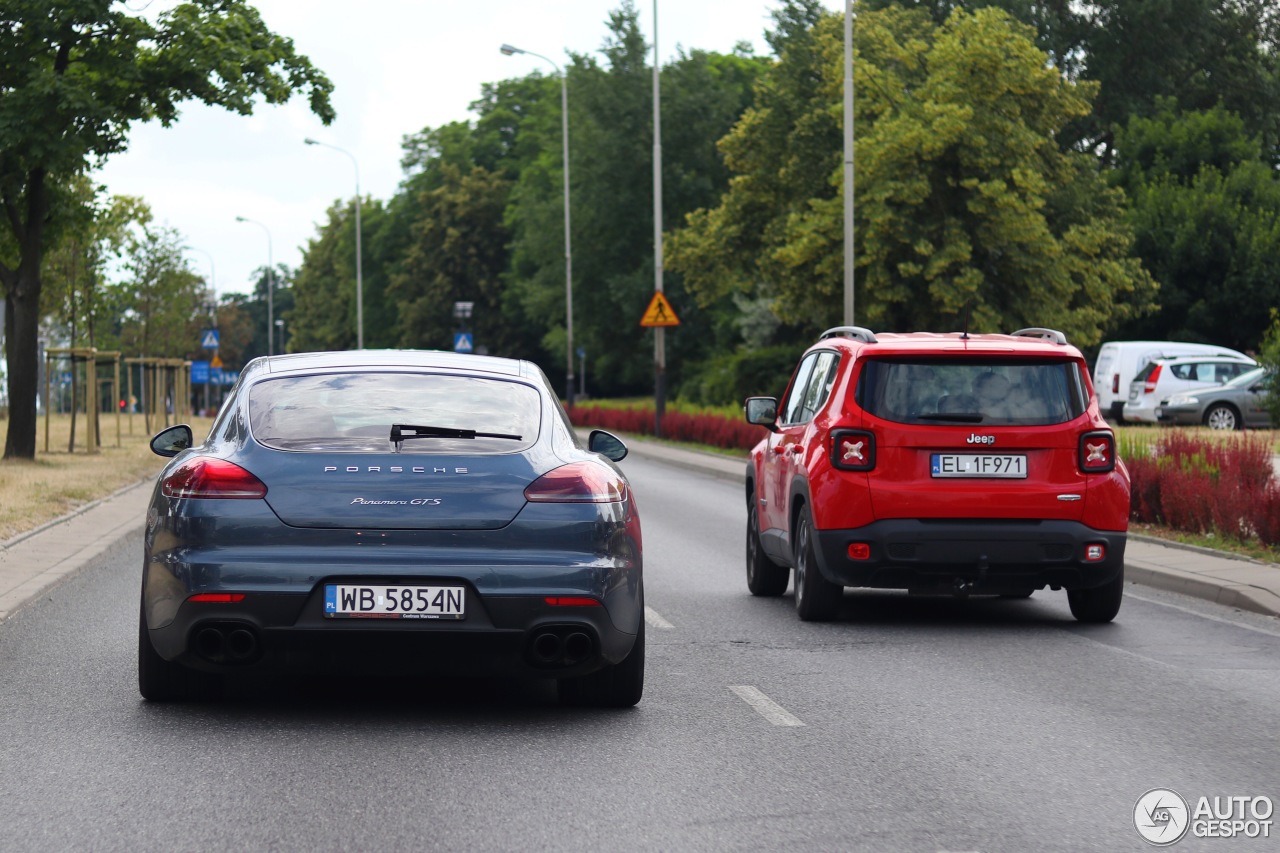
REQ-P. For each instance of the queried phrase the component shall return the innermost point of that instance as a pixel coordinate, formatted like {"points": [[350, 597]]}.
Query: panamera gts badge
{"points": [[397, 502], [394, 469]]}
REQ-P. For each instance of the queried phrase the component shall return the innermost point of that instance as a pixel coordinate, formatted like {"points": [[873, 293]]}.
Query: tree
{"points": [[968, 211], [611, 141], [74, 77], [1205, 209], [75, 267], [1198, 52], [324, 314], [162, 299]]}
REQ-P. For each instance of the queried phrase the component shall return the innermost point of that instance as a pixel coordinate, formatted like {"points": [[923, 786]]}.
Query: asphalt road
{"points": [[911, 724]]}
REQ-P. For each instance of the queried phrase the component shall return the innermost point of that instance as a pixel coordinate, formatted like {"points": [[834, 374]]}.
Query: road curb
{"points": [[62, 519]]}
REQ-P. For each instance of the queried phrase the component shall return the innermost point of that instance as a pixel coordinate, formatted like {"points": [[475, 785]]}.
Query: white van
{"points": [[1119, 362]]}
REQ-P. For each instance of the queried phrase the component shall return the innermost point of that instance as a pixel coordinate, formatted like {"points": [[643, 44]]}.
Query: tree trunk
{"points": [[21, 350], [23, 300]]}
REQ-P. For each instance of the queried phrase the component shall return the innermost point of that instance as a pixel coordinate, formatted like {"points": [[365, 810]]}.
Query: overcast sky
{"points": [[397, 66]]}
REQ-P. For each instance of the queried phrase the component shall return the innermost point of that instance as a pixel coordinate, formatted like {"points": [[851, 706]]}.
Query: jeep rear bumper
{"points": [[977, 555]]}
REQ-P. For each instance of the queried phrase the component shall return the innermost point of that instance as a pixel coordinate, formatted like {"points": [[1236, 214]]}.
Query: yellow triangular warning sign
{"points": [[659, 313], [215, 362]]}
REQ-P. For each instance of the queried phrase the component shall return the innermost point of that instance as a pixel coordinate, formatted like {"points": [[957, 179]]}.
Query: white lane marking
{"points": [[655, 621], [1128, 594], [766, 707]]}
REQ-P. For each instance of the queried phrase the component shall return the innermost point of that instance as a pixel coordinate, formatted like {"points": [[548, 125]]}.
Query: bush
{"points": [[1205, 485], [732, 377], [715, 430]]}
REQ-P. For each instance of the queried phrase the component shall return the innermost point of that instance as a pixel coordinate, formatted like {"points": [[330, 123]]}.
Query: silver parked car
{"points": [[1238, 404], [1164, 377]]}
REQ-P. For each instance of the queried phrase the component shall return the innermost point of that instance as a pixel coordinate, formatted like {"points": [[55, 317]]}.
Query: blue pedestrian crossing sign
{"points": [[209, 340], [462, 342]]}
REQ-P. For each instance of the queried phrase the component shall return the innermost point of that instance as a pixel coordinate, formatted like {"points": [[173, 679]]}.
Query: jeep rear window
{"points": [[354, 412], [986, 391]]}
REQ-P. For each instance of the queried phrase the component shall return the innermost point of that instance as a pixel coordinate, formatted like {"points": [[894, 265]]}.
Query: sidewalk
{"points": [[34, 561]]}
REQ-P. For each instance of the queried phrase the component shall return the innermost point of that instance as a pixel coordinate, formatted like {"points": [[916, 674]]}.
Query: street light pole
{"points": [[271, 284], [509, 50], [359, 253], [659, 333], [280, 325], [848, 162]]}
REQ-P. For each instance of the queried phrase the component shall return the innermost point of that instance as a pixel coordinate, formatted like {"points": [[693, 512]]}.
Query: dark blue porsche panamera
{"points": [[392, 512]]}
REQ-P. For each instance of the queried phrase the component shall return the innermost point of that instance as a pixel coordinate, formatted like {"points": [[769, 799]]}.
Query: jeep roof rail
{"points": [[856, 332], [1047, 334]]}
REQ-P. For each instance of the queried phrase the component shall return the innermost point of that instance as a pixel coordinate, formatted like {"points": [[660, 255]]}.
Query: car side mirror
{"points": [[762, 411], [607, 445], [172, 441]]}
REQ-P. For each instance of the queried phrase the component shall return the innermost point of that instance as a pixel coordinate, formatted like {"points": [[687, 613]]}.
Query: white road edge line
{"points": [[1211, 616], [652, 617], [766, 707]]}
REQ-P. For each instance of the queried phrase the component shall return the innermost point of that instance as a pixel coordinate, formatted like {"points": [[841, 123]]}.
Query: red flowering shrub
{"points": [[1198, 484], [710, 429]]}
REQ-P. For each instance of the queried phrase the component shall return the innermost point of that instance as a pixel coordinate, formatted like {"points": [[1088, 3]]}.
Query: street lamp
{"points": [[359, 254], [271, 284], [280, 325], [509, 50]]}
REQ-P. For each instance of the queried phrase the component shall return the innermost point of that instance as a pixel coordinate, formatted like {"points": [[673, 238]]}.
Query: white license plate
{"points": [[978, 465], [367, 601]]}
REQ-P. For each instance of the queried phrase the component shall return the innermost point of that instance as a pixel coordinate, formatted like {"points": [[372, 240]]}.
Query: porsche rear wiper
{"points": [[402, 432]]}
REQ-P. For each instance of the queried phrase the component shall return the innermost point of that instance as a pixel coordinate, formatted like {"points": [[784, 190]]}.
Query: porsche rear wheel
{"points": [[619, 685], [160, 680]]}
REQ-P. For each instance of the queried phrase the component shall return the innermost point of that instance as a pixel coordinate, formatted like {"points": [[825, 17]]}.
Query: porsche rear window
{"points": [[989, 392], [354, 412]]}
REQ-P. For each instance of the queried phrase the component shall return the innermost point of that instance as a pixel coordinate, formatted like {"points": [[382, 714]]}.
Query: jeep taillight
{"points": [[1150, 387], [1097, 452], [853, 450]]}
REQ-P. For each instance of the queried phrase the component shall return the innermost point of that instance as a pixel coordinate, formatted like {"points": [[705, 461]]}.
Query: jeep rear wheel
{"points": [[817, 599], [1100, 604], [764, 576]]}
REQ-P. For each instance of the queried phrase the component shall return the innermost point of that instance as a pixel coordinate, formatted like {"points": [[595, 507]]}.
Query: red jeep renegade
{"points": [[957, 463]]}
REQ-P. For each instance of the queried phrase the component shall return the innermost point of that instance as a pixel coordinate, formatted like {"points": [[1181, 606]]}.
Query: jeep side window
{"points": [[820, 382], [792, 406]]}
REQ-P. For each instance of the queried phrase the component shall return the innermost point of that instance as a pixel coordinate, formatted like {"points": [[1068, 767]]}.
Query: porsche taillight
{"points": [[578, 482], [1097, 452], [208, 477]]}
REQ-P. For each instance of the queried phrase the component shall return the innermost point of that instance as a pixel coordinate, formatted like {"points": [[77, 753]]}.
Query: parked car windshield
{"points": [[1244, 380], [989, 392], [355, 411]]}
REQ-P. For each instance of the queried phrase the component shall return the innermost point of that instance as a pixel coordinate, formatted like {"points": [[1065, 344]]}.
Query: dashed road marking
{"points": [[655, 620], [765, 707]]}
